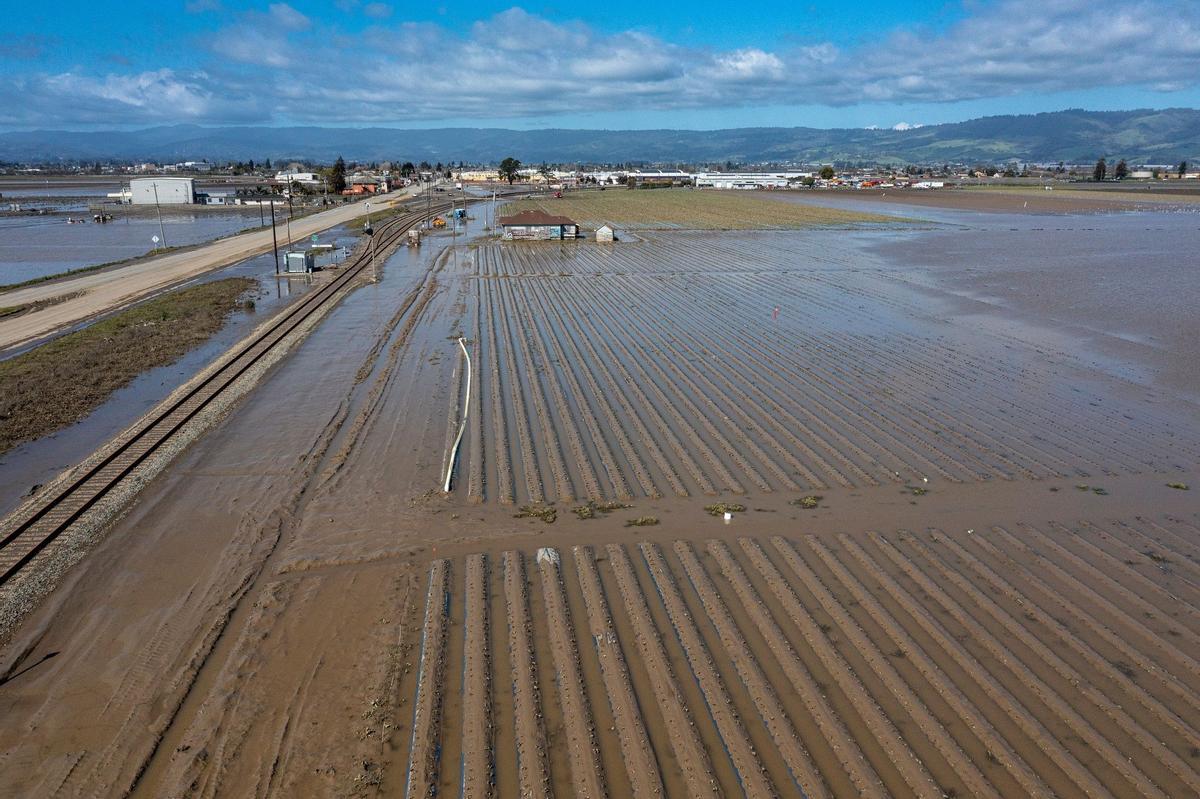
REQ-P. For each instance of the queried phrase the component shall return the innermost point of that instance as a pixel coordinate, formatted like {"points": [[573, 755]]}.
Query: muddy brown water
{"points": [[253, 623]]}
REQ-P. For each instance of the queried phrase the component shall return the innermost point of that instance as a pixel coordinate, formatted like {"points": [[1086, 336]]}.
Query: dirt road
{"points": [[105, 290]]}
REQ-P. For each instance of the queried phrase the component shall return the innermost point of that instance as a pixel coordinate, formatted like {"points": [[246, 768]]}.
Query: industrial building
{"points": [[536, 225], [749, 180], [162, 191]]}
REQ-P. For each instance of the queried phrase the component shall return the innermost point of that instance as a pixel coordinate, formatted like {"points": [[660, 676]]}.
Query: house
{"points": [[537, 225], [605, 233]]}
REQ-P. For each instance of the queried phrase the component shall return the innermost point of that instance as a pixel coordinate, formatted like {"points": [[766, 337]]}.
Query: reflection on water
{"points": [[35, 246]]}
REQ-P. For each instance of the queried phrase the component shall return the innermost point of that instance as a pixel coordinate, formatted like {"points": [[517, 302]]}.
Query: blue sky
{"points": [[854, 63]]}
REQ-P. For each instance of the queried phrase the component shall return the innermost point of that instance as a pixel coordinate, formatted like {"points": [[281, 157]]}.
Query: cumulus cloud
{"points": [[146, 97], [280, 65]]}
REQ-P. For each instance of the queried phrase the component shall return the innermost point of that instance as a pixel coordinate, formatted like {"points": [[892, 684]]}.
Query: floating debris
{"points": [[721, 508], [546, 513], [809, 502], [642, 521], [589, 510], [1178, 486]]}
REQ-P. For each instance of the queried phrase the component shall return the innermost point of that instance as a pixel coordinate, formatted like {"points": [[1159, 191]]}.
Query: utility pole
{"points": [[274, 240], [289, 219], [370, 231], [161, 232]]}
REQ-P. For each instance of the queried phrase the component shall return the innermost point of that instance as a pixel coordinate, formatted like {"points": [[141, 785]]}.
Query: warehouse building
{"points": [[162, 191], [537, 225]]}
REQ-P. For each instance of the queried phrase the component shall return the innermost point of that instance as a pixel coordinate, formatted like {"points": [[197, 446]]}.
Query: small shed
{"points": [[537, 225], [605, 233], [299, 262]]}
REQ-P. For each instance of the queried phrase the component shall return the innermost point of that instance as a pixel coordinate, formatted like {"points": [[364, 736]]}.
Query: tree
{"points": [[509, 168], [1101, 170], [544, 171], [1122, 170], [827, 172], [407, 169], [1183, 165], [267, 164], [337, 176]]}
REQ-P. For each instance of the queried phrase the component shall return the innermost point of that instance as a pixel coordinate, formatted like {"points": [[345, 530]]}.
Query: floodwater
{"points": [[1116, 289], [255, 618], [37, 246], [35, 462]]}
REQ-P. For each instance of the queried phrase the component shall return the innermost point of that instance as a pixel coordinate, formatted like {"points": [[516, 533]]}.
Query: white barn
{"points": [[163, 191]]}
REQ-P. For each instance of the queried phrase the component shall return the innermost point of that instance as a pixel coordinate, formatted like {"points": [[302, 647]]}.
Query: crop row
{"points": [[900, 664]]}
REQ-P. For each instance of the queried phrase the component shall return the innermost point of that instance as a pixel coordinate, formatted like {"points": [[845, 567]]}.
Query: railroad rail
{"points": [[63, 506]]}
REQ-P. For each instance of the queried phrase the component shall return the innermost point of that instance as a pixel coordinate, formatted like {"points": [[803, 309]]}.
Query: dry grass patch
{"points": [[651, 209]]}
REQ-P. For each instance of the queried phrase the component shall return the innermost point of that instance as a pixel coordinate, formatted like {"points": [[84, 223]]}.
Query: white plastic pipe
{"points": [[462, 428]]}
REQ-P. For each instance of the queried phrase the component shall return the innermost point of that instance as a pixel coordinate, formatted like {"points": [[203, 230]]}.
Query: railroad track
{"points": [[62, 507]]}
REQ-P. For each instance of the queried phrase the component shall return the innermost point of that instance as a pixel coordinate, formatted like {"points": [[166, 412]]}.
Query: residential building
{"points": [[537, 225]]}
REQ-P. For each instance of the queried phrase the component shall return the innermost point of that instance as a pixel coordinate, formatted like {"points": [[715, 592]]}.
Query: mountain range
{"points": [[1144, 136]]}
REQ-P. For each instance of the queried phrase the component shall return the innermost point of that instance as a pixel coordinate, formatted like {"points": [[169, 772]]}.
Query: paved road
{"points": [[114, 288]]}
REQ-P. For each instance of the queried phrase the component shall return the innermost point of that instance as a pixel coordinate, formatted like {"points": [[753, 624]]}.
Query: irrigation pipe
{"points": [[462, 428]]}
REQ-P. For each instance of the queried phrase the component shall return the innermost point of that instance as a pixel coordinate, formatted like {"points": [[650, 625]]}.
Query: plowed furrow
{"points": [[583, 750], [640, 763], [916, 778], [424, 751], [751, 774], [766, 701], [478, 764], [690, 754], [532, 767]]}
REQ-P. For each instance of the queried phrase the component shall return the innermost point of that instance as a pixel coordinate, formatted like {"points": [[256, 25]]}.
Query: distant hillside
{"points": [[1143, 136]]}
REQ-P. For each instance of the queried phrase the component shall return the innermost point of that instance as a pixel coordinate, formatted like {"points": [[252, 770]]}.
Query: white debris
{"points": [[548, 555]]}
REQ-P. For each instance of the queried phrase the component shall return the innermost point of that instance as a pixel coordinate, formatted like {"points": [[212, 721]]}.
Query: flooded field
{"points": [[961, 559], [1023, 661], [36, 246], [693, 364]]}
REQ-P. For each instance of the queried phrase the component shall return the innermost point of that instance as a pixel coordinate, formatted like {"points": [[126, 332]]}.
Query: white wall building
{"points": [[306, 178], [749, 180], [163, 191]]}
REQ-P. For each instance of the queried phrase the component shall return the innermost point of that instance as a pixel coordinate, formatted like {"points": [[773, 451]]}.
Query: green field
{"points": [[651, 209]]}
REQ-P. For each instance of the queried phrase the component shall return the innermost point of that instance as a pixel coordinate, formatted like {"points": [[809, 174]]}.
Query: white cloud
{"points": [[283, 67], [288, 18], [377, 10], [907, 126], [157, 96]]}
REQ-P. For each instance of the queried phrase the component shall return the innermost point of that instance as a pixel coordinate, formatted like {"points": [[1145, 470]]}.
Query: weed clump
{"points": [[809, 502], [642, 521], [547, 513], [721, 508], [589, 510], [918, 491], [1178, 486]]}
